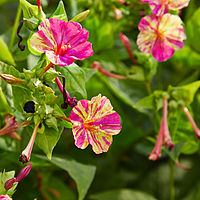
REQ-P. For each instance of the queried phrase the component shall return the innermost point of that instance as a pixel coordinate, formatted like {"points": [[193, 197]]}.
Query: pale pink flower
{"points": [[94, 122], [62, 42], [160, 36], [160, 7]]}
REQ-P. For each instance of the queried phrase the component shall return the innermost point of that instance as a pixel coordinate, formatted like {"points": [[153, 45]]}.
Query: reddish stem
{"points": [[97, 65], [48, 67], [194, 126], [39, 5]]}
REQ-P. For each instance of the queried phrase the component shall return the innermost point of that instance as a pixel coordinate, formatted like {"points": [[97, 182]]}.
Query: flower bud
{"points": [[127, 45], [117, 13], [24, 172], [10, 79], [81, 16], [9, 183]]}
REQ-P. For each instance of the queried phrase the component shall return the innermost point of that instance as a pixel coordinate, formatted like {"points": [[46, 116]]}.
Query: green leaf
{"points": [[5, 54], [4, 107], [186, 92], [193, 30], [48, 139], [31, 14], [4, 176], [122, 194], [81, 173], [74, 80], [60, 12]]}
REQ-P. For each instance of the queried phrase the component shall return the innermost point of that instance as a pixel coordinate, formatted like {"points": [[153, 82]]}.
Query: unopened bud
{"points": [[10, 79], [80, 17], [117, 13], [24, 172], [9, 183]]}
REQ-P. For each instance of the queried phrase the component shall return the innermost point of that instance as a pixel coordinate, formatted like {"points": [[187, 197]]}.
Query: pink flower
{"points": [[62, 42], [5, 197], [94, 122], [163, 135], [160, 36], [160, 7]]}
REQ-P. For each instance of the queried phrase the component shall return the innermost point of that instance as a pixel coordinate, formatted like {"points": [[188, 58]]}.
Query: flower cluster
{"points": [[161, 33]]}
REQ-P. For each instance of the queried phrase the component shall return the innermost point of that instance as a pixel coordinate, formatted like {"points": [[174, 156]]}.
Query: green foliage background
{"points": [[124, 172]]}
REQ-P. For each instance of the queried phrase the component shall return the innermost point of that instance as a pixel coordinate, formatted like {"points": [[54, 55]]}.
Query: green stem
{"points": [[172, 188], [14, 30], [148, 87]]}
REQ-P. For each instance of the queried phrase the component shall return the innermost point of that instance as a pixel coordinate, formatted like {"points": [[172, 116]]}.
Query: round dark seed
{"points": [[29, 107]]}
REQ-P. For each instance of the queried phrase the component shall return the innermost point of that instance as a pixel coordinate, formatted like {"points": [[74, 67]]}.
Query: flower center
{"points": [[88, 125], [61, 50]]}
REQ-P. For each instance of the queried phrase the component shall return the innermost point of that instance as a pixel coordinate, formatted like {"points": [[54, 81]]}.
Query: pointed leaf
{"points": [[60, 12]]}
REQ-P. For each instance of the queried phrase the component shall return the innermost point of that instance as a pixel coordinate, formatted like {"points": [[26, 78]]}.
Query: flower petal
{"points": [[40, 42], [64, 60], [81, 51], [162, 50], [148, 23], [81, 37], [158, 8], [178, 4], [145, 41], [100, 143], [80, 136], [79, 112], [171, 26]]}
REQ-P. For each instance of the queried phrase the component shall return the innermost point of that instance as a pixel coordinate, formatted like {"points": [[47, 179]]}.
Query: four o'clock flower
{"points": [[163, 135], [160, 36], [62, 42], [94, 122], [5, 197], [26, 154], [160, 7]]}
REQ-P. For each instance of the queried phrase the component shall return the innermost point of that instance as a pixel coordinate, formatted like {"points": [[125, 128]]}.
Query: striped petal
{"points": [[162, 50], [100, 143], [178, 4], [80, 137], [63, 60], [159, 7]]}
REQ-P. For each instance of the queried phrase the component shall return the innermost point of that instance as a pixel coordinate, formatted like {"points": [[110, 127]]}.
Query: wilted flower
{"points": [[5, 197], [94, 122], [160, 36], [11, 126], [163, 135], [160, 7], [62, 42]]}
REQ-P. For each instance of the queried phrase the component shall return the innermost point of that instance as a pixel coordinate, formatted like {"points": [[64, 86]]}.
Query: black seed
{"points": [[29, 107]]}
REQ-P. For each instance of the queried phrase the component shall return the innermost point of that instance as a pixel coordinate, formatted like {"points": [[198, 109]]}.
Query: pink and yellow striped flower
{"points": [[160, 7], [62, 42], [160, 36], [5, 197], [94, 122]]}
